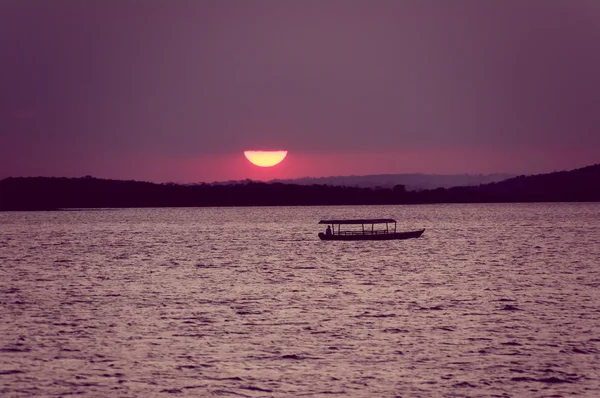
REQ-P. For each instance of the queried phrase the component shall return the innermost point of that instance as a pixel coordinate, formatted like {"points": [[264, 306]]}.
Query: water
{"points": [[493, 300]]}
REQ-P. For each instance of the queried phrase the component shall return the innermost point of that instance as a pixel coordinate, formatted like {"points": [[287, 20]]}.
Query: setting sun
{"points": [[265, 158]]}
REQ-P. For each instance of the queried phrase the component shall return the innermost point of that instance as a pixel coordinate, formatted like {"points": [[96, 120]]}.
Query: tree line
{"points": [[51, 193]]}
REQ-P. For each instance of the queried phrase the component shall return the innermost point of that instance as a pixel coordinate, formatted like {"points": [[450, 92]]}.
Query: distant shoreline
{"points": [[57, 194], [255, 206]]}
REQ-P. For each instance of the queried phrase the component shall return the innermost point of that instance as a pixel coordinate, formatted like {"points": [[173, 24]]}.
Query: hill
{"points": [[564, 186], [49, 193]]}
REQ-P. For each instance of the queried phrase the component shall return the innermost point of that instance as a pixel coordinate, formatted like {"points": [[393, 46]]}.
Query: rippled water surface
{"points": [[493, 300]]}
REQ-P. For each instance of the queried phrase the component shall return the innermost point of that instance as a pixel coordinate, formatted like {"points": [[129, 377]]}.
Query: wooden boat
{"points": [[366, 233]]}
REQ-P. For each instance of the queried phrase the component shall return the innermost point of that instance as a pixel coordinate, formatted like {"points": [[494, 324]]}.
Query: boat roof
{"points": [[359, 221]]}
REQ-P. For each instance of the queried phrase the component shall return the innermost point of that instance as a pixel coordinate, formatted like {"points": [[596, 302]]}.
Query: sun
{"points": [[265, 158]]}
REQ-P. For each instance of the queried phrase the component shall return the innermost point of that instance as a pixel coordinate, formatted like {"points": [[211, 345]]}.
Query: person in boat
{"points": [[328, 231]]}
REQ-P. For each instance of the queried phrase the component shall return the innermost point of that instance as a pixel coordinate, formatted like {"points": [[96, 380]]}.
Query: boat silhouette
{"points": [[366, 233]]}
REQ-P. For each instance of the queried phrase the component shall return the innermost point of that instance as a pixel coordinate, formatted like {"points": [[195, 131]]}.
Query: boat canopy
{"points": [[366, 221]]}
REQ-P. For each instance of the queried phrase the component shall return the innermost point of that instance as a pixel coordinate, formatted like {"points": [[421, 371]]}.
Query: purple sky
{"points": [[177, 90]]}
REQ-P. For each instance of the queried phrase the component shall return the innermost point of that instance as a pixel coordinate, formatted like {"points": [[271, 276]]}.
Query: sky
{"points": [[175, 91]]}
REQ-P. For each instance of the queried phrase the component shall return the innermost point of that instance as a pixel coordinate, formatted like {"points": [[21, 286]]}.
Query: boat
{"points": [[369, 233]]}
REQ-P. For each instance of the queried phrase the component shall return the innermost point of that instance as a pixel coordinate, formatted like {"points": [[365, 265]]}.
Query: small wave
{"points": [[577, 350], [394, 330], [10, 372], [188, 335], [14, 349], [446, 328], [434, 308], [234, 378], [226, 392], [113, 375], [206, 266], [554, 380], [295, 357], [464, 384], [549, 380], [172, 390], [368, 315], [192, 387], [254, 388], [171, 263], [245, 312], [509, 307], [186, 367], [292, 356]]}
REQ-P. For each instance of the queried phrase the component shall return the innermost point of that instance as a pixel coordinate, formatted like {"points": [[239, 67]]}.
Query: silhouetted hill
{"points": [[562, 186], [48, 193]]}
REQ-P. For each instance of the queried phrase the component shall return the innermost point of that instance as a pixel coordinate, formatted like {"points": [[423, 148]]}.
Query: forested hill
{"points": [[50, 193], [579, 185]]}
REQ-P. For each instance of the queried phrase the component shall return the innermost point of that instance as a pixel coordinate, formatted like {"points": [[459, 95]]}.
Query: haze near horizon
{"points": [[164, 91]]}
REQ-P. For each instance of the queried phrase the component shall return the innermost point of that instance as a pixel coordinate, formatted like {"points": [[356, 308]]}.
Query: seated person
{"points": [[328, 230]]}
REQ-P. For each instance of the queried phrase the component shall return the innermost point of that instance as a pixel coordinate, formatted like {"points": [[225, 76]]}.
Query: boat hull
{"points": [[390, 236]]}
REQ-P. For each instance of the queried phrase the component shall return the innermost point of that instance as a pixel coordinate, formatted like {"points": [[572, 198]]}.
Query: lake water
{"points": [[492, 301]]}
